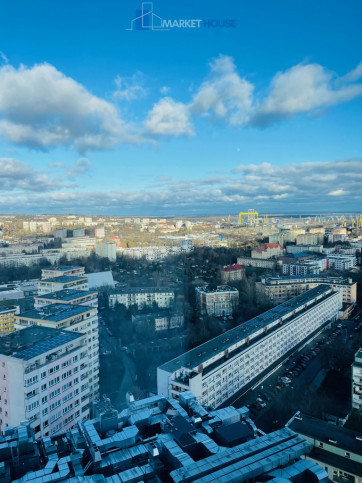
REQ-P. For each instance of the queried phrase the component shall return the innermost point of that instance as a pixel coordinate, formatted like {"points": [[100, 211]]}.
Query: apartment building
{"points": [[68, 271], [342, 262], [44, 379], [75, 318], [280, 289], [63, 282], [74, 297], [220, 302], [231, 273], [267, 250], [160, 320], [106, 250], [7, 318], [357, 382], [237, 359], [335, 449], [257, 262], [142, 297]]}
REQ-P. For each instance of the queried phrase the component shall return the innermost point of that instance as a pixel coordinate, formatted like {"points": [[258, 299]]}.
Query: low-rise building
{"points": [[44, 380], [342, 262], [357, 382], [75, 318], [7, 318], [336, 449], [257, 262], [219, 302], [232, 272], [160, 320], [267, 250], [142, 297], [235, 360]]}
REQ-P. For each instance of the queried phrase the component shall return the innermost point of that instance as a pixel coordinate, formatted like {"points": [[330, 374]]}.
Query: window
{"points": [[320, 445], [347, 454]]}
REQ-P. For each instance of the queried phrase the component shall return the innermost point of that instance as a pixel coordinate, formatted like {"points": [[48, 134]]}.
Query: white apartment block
{"points": [[74, 297], [342, 262], [106, 250], [63, 282], [237, 359], [75, 318], [44, 379], [257, 262], [280, 289], [142, 297], [220, 302], [357, 382], [68, 271]]}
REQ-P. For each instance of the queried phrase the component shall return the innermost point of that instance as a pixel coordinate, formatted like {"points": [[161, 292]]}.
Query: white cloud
{"points": [[169, 118], [81, 166], [338, 192], [40, 107], [130, 88], [3, 58], [224, 93]]}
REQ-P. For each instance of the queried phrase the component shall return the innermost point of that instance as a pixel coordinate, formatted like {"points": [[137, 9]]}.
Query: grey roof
{"points": [[34, 341], [203, 352], [64, 268], [56, 312], [100, 279], [324, 432], [64, 279]]}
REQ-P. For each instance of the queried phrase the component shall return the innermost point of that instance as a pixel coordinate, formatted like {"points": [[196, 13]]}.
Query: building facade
{"points": [[267, 250], [231, 273], [229, 363], [44, 379], [220, 302], [357, 382], [257, 262], [63, 282], [142, 297], [74, 297], [7, 319]]}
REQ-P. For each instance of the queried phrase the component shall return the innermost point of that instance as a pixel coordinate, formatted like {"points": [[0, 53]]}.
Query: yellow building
{"points": [[7, 317]]}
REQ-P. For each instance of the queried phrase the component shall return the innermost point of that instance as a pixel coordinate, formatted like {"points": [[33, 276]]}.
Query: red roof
{"points": [[230, 268], [265, 246]]}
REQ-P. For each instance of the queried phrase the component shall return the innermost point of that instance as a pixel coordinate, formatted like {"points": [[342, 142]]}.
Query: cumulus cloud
{"points": [[20, 176], [224, 93], [169, 118], [130, 88], [40, 107]]}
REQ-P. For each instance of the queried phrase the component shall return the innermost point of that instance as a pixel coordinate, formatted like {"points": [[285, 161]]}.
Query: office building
{"points": [[280, 289], [231, 273], [7, 318], [220, 302], [158, 439], [335, 449], [75, 318], [357, 382], [238, 358], [142, 297], [44, 379]]}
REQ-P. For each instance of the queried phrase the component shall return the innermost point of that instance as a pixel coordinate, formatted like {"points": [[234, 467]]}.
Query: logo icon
{"points": [[147, 20]]}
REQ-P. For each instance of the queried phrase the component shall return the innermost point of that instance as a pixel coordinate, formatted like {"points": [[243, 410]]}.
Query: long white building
{"points": [[75, 318], [235, 360], [142, 297], [44, 379]]}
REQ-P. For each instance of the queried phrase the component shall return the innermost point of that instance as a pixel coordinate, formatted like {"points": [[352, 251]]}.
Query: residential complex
{"points": [[336, 449], [63, 270], [142, 297], [75, 318], [106, 250], [159, 439], [231, 273], [7, 318], [63, 282], [69, 296], [280, 289], [160, 320], [357, 382], [44, 379], [220, 302], [257, 262], [233, 361]]}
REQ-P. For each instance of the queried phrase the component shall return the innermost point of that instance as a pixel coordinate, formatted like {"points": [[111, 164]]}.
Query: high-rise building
{"points": [[106, 250], [44, 379]]}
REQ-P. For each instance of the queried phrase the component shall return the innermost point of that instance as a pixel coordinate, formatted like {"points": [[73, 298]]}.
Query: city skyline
{"points": [[98, 119]]}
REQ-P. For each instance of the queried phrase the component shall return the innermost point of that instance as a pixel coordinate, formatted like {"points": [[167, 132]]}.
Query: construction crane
{"points": [[252, 217]]}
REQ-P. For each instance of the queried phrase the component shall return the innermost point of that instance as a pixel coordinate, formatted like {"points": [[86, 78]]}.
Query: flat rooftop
{"points": [[34, 341], [304, 278], [203, 352], [338, 436], [63, 268], [56, 312], [64, 279], [142, 290], [67, 294]]}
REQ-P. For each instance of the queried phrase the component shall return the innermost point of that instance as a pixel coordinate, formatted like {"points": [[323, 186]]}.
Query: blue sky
{"points": [[95, 118]]}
